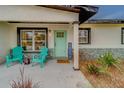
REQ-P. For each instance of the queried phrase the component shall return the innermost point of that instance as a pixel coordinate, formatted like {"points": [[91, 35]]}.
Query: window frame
{"points": [[122, 35], [89, 35], [19, 29]]}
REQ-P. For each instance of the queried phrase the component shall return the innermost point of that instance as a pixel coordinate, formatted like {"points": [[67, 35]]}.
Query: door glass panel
{"points": [[60, 34]]}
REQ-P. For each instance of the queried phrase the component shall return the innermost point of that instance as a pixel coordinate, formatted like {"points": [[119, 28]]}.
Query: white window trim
{"points": [[88, 36]]}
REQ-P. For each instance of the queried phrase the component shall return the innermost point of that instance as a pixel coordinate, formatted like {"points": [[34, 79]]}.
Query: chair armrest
{"points": [[42, 57]]}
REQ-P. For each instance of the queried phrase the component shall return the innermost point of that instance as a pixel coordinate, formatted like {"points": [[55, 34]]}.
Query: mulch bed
{"points": [[114, 80]]}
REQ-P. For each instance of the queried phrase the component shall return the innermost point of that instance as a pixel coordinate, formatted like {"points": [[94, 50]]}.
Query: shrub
{"points": [[23, 82], [93, 69], [105, 61], [108, 60]]}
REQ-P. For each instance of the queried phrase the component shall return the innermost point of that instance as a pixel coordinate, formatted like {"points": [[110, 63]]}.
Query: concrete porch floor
{"points": [[54, 75]]}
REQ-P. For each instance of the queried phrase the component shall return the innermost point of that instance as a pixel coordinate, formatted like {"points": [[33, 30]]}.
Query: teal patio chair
{"points": [[15, 56], [41, 57]]}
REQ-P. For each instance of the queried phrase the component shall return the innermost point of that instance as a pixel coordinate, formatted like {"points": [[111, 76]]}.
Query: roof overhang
{"points": [[85, 11], [62, 7]]}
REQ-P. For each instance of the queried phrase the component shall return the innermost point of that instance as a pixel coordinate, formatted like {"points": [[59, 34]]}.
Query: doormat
{"points": [[63, 61]]}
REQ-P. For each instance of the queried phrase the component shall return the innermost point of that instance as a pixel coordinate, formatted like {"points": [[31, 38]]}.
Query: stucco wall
{"points": [[35, 14], [104, 36], [51, 29], [4, 40]]}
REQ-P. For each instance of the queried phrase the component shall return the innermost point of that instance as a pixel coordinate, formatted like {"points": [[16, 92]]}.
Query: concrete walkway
{"points": [[54, 75]]}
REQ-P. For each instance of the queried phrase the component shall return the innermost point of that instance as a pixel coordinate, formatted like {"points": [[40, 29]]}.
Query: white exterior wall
{"points": [[51, 29], [4, 39], [35, 14], [104, 36]]}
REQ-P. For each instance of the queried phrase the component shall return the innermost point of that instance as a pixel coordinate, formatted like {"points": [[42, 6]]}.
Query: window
{"points": [[32, 39], [84, 35], [122, 36], [60, 34], [27, 40]]}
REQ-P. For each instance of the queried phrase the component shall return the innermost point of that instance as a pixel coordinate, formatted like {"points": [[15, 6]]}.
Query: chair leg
{"points": [[41, 65], [21, 61], [7, 64], [32, 64]]}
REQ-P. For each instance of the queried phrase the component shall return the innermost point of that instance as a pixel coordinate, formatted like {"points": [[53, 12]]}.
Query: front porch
{"points": [[27, 36], [33, 27], [53, 75]]}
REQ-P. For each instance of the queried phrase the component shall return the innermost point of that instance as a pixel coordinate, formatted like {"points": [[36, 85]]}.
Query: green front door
{"points": [[60, 43]]}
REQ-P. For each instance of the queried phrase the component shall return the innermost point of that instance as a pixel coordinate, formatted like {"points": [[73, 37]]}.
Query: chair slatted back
{"points": [[44, 51], [17, 51]]}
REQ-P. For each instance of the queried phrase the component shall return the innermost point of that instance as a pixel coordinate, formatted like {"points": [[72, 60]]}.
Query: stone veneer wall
{"points": [[94, 53]]}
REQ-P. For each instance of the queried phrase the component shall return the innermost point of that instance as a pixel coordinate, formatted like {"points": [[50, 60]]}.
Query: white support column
{"points": [[76, 48]]}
